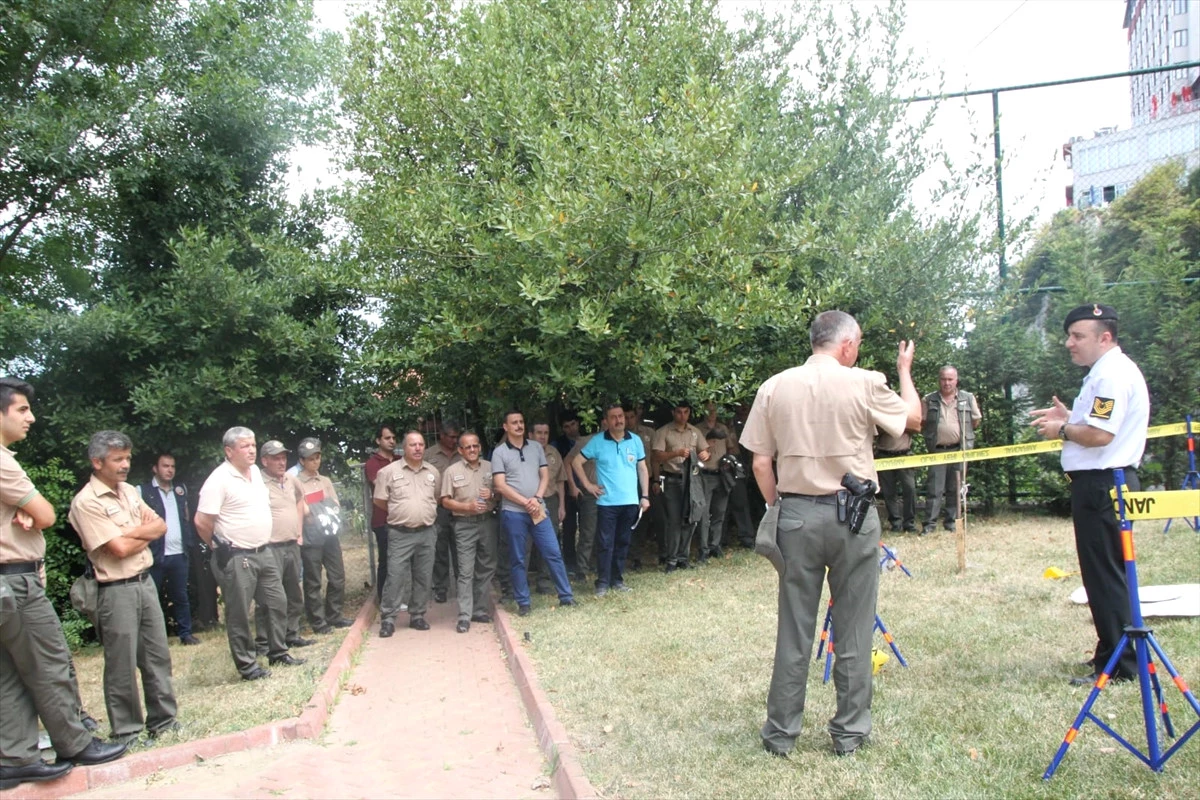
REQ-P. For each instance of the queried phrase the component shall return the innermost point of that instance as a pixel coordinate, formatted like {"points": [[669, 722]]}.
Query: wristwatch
{"points": [[1062, 433]]}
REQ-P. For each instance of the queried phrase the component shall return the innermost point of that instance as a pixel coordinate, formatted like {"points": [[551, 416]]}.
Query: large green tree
{"points": [[568, 201]]}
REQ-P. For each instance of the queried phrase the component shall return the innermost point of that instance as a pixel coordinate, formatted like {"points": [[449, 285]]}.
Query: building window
{"points": [[1180, 6], [1179, 38]]}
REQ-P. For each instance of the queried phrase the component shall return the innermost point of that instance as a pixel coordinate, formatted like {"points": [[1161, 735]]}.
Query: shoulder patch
{"points": [[1102, 408]]}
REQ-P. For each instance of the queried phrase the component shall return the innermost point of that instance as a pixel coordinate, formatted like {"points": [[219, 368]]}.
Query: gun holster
{"points": [[843, 505], [222, 552]]}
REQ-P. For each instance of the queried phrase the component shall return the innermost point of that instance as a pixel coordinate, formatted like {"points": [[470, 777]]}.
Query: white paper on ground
{"points": [[1177, 600]]}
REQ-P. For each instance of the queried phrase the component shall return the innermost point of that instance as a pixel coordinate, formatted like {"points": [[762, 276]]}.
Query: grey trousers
{"points": [[942, 478], [410, 551], [130, 623], [287, 559], [712, 524], [327, 555], [678, 533], [811, 539], [253, 576], [445, 555], [585, 548], [35, 675], [475, 543]]}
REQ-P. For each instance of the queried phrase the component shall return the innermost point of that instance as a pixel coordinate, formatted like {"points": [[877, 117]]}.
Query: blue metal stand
{"points": [[826, 644], [1143, 643]]}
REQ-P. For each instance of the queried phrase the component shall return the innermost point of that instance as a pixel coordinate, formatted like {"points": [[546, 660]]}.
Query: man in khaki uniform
{"points": [[712, 524], [408, 489], [287, 509], [117, 528], [35, 664], [815, 424], [233, 516], [673, 444], [556, 506], [944, 416], [585, 547], [898, 486], [445, 555], [320, 546], [466, 492]]}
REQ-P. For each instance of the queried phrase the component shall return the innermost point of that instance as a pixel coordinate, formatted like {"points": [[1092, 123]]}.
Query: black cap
{"points": [[1091, 311]]}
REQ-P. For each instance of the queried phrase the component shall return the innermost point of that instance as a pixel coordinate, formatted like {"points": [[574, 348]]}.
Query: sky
{"points": [[974, 44]]}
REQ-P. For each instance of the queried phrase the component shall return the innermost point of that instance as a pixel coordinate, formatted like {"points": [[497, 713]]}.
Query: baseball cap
{"points": [[273, 448], [309, 447]]}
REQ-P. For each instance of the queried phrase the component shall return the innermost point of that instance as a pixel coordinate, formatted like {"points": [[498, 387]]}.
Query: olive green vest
{"points": [[933, 412]]}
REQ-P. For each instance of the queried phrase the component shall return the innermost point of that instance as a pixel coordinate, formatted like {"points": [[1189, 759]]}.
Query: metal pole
{"points": [[999, 183]]}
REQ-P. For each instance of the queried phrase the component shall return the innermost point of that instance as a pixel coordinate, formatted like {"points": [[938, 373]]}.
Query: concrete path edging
{"points": [[309, 725], [566, 774]]}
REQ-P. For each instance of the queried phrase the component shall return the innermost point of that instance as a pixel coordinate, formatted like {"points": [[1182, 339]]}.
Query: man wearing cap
{"points": [[233, 516], [520, 475], [408, 489], [320, 545], [35, 667], [385, 453], [622, 490], [116, 528], [445, 554], [287, 510], [1105, 429], [677, 444], [171, 552], [944, 416], [815, 424], [466, 491]]}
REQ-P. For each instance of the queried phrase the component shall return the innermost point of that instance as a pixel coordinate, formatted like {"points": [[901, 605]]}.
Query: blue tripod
{"points": [[1143, 643]]}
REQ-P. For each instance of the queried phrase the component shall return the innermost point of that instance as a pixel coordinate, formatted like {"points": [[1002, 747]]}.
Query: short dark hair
{"points": [[512, 411], [450, 425], [611, 406], [161, 454], [10, 387], [1109, 325], [385, 426]]}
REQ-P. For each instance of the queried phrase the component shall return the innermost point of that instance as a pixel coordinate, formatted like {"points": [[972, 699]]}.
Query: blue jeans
{"points": [[518, 527], [170, 576], [614, 531]]}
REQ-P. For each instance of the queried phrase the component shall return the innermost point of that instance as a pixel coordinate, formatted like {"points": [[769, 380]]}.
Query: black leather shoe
{"points": [[299, 642], [287, 659], [669, 568], [341, 622], [481, 617], [683, 565], [439, 595], [258, 673], [35, 772], [418, 624], [170, 727], [716, 552], [89, 722], [773, 751], [97, 752], [949, 526], [323, 629], [523, 611], [386, 629], [463, 626], [568, 603], [189, 639]]}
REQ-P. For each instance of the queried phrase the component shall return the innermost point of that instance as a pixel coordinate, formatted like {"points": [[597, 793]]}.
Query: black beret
{"points": [[1091, 311]]}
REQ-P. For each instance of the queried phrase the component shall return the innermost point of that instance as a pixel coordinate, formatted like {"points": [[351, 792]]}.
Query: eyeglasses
{"points": [[470, 447]]}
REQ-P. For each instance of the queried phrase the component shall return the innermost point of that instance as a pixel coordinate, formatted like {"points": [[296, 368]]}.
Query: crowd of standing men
{"points": [[532, 513]]}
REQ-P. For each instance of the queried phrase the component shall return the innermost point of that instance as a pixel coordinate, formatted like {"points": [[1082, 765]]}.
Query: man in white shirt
{"points": [[1105, 429]]}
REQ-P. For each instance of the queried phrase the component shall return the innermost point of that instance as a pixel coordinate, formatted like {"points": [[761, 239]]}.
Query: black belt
{"points": [[892, 453], [141, 576], [406, 529], [21, 567], [248, 549], [823, 499], [673, 476], [1079, 473], [281, 544]]}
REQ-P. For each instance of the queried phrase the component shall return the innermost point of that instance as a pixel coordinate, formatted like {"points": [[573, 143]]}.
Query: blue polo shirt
{"points": [[616, 467]]}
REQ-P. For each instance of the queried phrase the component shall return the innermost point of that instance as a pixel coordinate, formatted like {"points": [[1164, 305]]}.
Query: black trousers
{"points": [[202, 589], [1101, 563]]}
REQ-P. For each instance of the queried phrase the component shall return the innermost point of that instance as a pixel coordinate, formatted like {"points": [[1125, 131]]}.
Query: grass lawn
{"points": [[212, 698], [663, 689]]}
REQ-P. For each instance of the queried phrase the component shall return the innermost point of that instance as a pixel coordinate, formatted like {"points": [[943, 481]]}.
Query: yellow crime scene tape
{"points": [[1003, 451], [1138, 505]]}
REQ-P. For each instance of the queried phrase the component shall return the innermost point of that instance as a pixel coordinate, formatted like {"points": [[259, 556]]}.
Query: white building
{"points": [[1164, 106]]}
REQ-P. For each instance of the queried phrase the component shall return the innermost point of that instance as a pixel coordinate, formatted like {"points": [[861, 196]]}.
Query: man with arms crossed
{"points": [[622, 494], [235, 508], [467, 493], [117, 528], [35, 666], [816, 423], [1105, 429]]}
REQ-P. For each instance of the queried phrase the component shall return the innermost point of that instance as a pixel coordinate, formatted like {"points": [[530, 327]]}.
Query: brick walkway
{"points": [[423, 714]]}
